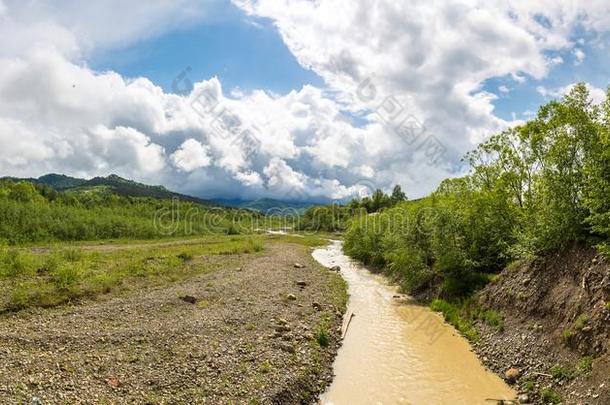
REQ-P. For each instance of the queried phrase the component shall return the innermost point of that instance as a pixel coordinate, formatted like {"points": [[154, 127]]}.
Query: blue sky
{"points": [[244, 54]]}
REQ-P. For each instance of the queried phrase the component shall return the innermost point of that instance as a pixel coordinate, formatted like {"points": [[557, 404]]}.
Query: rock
{"points": [[512, 374], [282, 328], [287, 347], [335, 268], [301, 283], [291, 297], [299, 266], [113, 382], [523, 398], [316, 306], [188, 298]]}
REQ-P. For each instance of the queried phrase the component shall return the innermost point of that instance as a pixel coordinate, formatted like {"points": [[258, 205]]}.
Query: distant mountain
{"points": [[267, 205], [59, 182], [113, 183]]}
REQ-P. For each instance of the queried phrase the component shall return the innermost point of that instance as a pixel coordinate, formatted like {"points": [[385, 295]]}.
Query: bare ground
{"points": [[242, 341], [556, 312]]}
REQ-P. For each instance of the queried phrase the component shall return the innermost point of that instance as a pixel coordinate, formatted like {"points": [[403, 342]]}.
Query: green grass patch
{"points": [[585, 364], [463, 313], [568, 337], [53, 276], [549, 396], [322, 336], [457, 315], [562, 373]]}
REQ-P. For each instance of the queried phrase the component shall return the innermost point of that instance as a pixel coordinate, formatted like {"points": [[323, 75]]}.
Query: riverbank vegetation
{"points": [[531, 189]]}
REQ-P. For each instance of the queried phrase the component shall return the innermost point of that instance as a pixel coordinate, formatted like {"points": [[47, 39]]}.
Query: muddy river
{"points": [[397, 352]]}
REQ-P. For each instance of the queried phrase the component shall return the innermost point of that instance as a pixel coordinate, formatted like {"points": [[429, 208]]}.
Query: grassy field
{"points": [[50, 275]]}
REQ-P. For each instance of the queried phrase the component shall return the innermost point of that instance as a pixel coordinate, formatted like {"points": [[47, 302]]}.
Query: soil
{"points": [[245, 333], [556, 313]]}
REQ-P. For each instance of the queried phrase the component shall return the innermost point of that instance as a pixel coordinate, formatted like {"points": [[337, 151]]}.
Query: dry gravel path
{"points": [[243, 341]]}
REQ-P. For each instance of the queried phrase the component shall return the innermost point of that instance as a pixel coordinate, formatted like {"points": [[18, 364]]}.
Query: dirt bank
{"points": [[556, 327], [246, 333]]}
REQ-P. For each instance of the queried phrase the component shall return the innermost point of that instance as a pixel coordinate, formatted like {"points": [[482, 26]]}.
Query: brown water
{"points": [[397, 352]]}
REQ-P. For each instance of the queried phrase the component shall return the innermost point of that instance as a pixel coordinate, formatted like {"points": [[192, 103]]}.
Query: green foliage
{"points": [[531, 189], [35, 213], [265, 366], [585, 364], [549, 396], [581, 321], [52, 277], [567, 337], [457, 314], [562, 373], [322, 336], [331, 218], [15, 263]]}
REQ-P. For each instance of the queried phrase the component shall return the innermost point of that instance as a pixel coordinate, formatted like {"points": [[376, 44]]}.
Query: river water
{"points": [[397, 352]]}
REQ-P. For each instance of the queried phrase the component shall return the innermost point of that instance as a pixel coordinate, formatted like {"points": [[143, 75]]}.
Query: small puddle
{"points": [[396, 352]]}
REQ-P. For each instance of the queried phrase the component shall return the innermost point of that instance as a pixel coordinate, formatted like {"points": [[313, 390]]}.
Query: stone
{"points": [[113, 382], [299, 266], [316, 306], [512, 374], [301, 283], [335, 268], [291, 297], [189, 298]]}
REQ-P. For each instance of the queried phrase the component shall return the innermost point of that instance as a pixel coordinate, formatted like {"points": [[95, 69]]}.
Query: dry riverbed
{"points": [[253, 329]]}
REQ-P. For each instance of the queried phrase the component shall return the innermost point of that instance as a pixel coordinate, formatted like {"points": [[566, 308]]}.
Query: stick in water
{"points": [[351, 315]]}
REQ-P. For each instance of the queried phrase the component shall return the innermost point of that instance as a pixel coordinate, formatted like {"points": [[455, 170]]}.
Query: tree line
{"points": [[531, 189]]}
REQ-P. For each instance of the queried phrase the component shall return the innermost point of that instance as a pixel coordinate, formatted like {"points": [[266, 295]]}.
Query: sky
{"points": [[288, 99]]}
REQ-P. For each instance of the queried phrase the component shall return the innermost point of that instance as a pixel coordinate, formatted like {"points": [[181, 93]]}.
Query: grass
{"points": [[568, 337], [581, 321], [461, 314], [585, 364], [322, 336], [53, 276], [562, 373], [529, 385], [457, 315], [549, 396], [264, 367]]}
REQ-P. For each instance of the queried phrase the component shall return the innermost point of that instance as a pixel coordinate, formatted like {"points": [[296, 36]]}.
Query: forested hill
{"points": [[112, 183]]}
